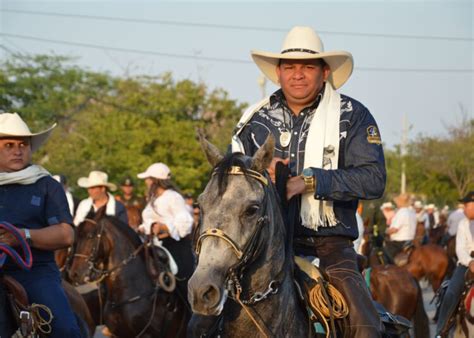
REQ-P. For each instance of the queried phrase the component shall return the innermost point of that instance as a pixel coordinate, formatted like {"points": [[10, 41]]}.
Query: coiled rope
{"points": [[328, 304]]}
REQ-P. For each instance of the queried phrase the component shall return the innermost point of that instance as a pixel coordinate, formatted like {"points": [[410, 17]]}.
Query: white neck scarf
{"points": [[322, 151], [85, 207], [26, 176]]}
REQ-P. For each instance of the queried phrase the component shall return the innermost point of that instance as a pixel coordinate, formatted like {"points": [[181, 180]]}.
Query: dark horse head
{"points": [[110, 252], [241, 248]]}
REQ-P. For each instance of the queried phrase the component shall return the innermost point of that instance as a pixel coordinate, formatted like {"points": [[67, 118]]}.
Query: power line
{"points": [[212, 59], [222, 26]]}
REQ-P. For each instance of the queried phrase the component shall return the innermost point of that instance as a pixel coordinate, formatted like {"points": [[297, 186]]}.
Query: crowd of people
{"points": [[329, 144]]}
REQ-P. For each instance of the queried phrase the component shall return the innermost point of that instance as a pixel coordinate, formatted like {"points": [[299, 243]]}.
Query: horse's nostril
{"points": [[211, 295]]}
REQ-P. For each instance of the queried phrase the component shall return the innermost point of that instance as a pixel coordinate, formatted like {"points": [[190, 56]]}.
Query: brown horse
{"points": [[430, 261], [111, 252], [134, 216], [394, 287]]}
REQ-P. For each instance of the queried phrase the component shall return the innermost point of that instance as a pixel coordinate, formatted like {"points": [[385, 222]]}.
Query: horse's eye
{"points": [[252, 210]]}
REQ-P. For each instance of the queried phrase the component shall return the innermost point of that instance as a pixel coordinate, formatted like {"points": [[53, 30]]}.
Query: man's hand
{"points": [[471, 266], [9, 239], [294, 186], [272, 166]]}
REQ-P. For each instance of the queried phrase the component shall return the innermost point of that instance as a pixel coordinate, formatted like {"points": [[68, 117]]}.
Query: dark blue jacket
{"points": [[361, 166]]}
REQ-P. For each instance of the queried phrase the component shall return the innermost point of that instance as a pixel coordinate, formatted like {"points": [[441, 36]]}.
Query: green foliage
{"points": [[120, 126], [438, 169]]}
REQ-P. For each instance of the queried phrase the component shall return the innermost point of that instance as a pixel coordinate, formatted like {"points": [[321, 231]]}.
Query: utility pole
{"points": [[262, 82], [403, 152]]}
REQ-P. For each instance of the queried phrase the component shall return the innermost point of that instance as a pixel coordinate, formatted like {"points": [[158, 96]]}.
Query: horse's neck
{"points": [[124, 276], [277, 310]]}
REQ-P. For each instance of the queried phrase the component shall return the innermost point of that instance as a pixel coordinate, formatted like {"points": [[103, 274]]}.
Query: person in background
{"points": [[454, 219], [134, 204], [35, 203], [167, 217], [388, 211], [360, 226], [403, 227], [464, 252], [98, 187], [72, 201], [422, 223]]}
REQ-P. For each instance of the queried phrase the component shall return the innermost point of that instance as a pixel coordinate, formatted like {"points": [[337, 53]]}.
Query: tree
{"points": [[118, 125]]}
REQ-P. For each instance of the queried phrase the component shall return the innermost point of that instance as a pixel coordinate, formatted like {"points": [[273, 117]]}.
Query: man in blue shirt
{"points": [[36, 204], [332, 148]]}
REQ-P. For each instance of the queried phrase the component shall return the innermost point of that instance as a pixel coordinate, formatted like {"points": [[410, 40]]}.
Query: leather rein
{"points": [[245, 255]]}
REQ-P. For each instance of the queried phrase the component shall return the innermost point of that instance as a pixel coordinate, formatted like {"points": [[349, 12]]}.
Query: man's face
{"points": [[15, 153], [97, 193], [469, 210], [301, 80], [127, 189]]}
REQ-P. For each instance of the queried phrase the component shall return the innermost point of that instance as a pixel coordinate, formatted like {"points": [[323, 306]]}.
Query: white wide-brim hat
{"points": [[303, 43], [156, 170], [12, 125], [96, 179], [387, 205]]}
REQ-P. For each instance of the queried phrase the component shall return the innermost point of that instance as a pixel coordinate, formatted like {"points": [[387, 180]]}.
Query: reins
{"points": [[245, 255]]}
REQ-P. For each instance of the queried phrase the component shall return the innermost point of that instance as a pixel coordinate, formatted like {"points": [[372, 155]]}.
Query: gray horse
{"points": [[245, 268]]}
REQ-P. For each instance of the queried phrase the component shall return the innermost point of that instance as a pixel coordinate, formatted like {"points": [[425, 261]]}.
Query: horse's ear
{"points": [[263, 157], [213, 154]]}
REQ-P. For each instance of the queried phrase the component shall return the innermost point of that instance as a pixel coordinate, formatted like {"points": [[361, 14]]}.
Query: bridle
{"points": [[93, 257], [246, 254]]}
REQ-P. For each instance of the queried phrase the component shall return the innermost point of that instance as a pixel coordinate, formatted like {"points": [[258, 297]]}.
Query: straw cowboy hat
{"points": [[96, 179], [303, 43], [156, 170], [387, 205], [12, 125]]}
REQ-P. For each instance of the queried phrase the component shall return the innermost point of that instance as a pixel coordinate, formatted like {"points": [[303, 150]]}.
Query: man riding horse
{"points": [[36, 204], [465, 253], [330, 146]]}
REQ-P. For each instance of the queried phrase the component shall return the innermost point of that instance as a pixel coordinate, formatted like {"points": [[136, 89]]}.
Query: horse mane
{"points": [[125, 230], [230, 160]]}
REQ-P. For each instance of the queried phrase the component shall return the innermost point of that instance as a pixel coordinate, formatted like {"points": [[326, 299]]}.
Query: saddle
{"points": [[332, 305], [159, 264], [19, 305], [401, 259]]}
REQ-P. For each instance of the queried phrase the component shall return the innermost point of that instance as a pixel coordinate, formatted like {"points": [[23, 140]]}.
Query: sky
{"points": [[413, 59]]}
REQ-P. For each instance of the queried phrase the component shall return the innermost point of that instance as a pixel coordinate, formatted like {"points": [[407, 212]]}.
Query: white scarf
{"points": [[323, 134], [322, 151], [26, 176], [85, 207]]}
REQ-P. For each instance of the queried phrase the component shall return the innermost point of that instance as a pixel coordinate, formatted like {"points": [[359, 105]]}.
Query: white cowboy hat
{"points": [[304, 43], [12, 125], [156, 170], [96, 179], [387, 205], [418, 204]]}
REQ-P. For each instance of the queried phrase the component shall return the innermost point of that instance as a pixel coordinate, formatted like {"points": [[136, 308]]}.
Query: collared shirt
{"points": [[405, 221], [170, 209], [453, 221], [361, 165], [465, 241], [35, 206]]}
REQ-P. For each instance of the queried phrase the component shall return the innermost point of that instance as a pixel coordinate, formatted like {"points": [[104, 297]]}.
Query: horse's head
{"points": [[90, 250], [233, 226]]}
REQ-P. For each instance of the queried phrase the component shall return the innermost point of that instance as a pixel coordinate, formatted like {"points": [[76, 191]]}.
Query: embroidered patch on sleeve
{"points": [[36, 201], [373, 135]]}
